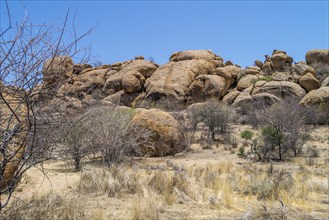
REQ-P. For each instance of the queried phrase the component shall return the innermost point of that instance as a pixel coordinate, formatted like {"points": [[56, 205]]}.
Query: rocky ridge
{"points": [[189, 77]]}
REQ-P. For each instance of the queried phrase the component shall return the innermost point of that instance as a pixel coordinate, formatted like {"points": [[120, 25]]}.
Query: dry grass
{"points": [[49, 206], [185, 188]]}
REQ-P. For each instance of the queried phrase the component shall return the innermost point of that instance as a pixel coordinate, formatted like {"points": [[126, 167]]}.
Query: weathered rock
{"points": [[78, 68], [267, 68], [259, 83], [282, 76], [242, 100], [281, 89], [208, 86], [114, 81], [325, 82], [113, 100], [281, 61], [173, 79], [228, 72], [259, 63], [309, 82], [228, 63], [317, 56], [166, 138], [265, 98], [316, 97], [193, 55], [246, 81], [230, 97], [301, 69], [90, 82], [56, 70], [133, 83], [252, 70]]}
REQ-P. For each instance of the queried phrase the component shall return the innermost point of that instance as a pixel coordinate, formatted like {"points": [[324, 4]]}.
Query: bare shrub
{"points": [[282, 134], [110, 133], [312, 154], [215, 117], [75, 140]]}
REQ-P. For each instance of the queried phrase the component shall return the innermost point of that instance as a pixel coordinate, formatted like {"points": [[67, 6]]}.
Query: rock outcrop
{"points": [[173, 79], [133, 73]]}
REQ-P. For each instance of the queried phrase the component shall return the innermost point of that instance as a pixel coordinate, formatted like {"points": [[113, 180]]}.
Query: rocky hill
{"points": [[189, 77]]}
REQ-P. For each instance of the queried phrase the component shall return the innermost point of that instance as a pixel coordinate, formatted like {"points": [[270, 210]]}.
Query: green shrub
{"points": [[241, 152], [246, 134]]}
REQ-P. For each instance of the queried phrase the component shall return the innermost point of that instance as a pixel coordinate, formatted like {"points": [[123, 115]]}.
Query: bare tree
{"points": [[216, 118], [23, 50], [283, 130]]}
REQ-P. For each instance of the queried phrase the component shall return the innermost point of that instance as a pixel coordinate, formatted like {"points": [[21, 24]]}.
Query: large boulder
{"points": [[265, 98], [57, 69], [246, 81], [281, 89], [252, 70], [194, 55], [172, 80], [228, 72], [300, 70], [229, 98], [133, 82], [317, 56], [244, 98], [281, 61], [130, 70], [208, 86], [309, 82], [282, 76], [316, 97], [166, 136]]}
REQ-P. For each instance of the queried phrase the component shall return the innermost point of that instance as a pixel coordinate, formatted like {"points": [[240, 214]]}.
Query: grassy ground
{"points": [[201, 184]]}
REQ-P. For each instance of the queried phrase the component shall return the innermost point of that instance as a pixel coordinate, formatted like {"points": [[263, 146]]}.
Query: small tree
{"points": [[216, 118], [282, 132], [75, 139]]}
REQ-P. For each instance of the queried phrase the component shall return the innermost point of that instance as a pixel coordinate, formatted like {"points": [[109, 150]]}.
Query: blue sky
{"points": [[241, 31]]}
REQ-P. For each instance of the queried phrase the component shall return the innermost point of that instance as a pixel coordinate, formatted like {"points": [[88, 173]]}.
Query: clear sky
{"points": [[241, 31]]}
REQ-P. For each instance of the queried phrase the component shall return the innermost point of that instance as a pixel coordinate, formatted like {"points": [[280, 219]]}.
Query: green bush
{"points": [[241, 152], [246, 134]]}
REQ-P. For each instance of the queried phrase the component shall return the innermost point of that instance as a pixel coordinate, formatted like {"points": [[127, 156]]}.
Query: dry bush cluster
{"points": [[102, 132]]}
